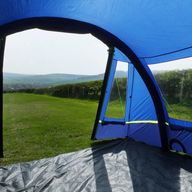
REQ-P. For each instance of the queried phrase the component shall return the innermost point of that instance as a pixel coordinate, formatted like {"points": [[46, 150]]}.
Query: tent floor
{"points": [[118, 165]]}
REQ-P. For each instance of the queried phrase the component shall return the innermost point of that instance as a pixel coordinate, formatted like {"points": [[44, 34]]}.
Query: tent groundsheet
{"points": [[119, 165]]}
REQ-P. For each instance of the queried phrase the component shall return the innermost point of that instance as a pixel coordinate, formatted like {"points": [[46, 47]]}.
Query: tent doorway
{"points": [[52, 83]]}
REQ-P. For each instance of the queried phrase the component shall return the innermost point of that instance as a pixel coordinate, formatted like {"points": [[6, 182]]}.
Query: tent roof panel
{"points": [[149, 28]]}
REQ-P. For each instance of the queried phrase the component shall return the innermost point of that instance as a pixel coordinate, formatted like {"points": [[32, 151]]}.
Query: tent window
{"points": [[175, 81], [116, 103]]}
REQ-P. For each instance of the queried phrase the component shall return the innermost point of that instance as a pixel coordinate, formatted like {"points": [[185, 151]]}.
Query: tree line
{"points": [[176, 86]]}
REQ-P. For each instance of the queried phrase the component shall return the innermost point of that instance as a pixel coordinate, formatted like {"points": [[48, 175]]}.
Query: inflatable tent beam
{"points": [[103, 90], [2, 48]]}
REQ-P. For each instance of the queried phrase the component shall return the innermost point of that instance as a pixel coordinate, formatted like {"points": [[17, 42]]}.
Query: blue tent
{"points": [[143, 32]]}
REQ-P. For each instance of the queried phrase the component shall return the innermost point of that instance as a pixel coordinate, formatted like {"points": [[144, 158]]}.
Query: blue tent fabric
{"points": [[179, 124], [139, 109], [139, 106], [150, 28], [180, 135], [142, 107], [145, 132], [181, 141], [144, 32], [119, 56]]}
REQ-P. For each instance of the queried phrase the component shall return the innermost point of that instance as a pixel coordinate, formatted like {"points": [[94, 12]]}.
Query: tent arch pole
{"points": [[74, 26], [2, 48], [103, 90]]}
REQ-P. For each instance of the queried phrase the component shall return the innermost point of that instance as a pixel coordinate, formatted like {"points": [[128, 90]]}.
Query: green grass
{"points": [[180, 111], [116, 109], [39, 126]]}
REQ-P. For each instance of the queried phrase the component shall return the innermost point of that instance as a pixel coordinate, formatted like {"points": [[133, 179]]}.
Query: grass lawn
{"points": [[116, 109], [39, 126], [180, 111]]}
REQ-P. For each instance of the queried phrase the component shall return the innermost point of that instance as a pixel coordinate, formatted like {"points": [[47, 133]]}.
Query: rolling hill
{"points": [[14, 81]]}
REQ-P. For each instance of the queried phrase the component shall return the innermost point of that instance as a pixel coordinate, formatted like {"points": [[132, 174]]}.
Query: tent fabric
{"points": [[180, 140], [180, 124], [142, 107], [119, 56], [180, 135], [111, 131], [145, 132], [119, 165], [158, 30], [139, 107]]}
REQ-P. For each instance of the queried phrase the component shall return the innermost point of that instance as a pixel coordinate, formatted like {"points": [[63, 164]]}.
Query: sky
{"points": [[43, 52], [180, 64]]}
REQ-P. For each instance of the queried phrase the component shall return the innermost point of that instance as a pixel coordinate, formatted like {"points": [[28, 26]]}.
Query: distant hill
{"points": [[14, 81], [159, 71]]}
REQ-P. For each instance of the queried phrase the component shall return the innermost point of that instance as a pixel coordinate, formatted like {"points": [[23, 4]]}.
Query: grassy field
{"points": [[39, 126], [180, 111], [115, 109]]}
